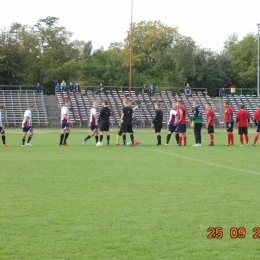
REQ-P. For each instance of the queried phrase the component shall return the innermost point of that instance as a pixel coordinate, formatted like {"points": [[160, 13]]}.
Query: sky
{"points": [[208, 22]]}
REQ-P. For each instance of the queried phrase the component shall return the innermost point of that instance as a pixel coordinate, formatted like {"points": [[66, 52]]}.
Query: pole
{"points": [[131, 49], [258, 57]]}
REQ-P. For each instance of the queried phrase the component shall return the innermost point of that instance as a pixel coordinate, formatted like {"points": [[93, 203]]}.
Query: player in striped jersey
{"points": [[65, 123], [27, 126], [2, 131], [93, 122], [172, 124]]}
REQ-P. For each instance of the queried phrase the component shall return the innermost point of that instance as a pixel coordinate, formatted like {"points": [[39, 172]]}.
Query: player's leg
{"points": [[168, 137], [119, 136], [245, 132], [92, 129], [101, 136], [199, 133], [25, 129], [211, 135], [96, 135], [232, 135], [66, 135], [196, 134], [256, 134], [240, 133], [63, 131], [31, 133], [177, 136], [184, 135], [229, 134], [158, 134], [131, 132], [3, 136]]}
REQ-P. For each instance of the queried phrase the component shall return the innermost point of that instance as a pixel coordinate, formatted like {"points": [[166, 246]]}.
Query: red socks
{"points": [[246, 137], [241, 139], [256, 139], [180, 140], [211, 139], [185, 140]]}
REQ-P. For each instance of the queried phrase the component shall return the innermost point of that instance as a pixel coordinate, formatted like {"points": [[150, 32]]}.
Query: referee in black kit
{"points": [[157, 122]]}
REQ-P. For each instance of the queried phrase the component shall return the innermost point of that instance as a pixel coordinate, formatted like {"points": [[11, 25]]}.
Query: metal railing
{"points": [[239, 91]]}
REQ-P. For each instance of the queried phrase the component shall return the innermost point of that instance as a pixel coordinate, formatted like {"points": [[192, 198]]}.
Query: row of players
{"points": [[176, 123]]}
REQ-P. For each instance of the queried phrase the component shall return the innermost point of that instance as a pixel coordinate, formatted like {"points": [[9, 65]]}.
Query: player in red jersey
{"points": [[229, 120], [181, 123], [210, 123], [243, 118], [257, 123]]}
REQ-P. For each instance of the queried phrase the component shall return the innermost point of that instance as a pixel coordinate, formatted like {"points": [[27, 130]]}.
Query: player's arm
{"points": [[27, 120], [135, 108], [133, 116], [121, 118], [230, 117], [181, 115], [196, 113], [208, 122], [155, 118]]}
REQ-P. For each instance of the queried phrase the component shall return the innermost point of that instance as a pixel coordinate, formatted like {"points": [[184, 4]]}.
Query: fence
{"points": [[239, 91]]}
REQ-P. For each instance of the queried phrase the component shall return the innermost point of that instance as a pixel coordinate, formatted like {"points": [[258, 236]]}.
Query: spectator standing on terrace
{"points": [[57, 87], [144, 89], [39, 88], [151, 89], [100, 89], [63, 86], [223, 93], [187, 89], [77, 87], [71, 87]]}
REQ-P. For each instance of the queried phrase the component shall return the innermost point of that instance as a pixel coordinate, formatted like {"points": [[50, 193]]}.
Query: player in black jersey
{"points": [[104, 121], [126, 123], [126, 102], [157, 122]]}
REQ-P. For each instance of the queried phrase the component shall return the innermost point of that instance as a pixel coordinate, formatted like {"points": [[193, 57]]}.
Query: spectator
{"points": [[151, 89], [77, 87], [39, 88], [57, 87], [63, 86], [144, 89], [100, 89], [187, 89], [223, 93], [71, 88]]}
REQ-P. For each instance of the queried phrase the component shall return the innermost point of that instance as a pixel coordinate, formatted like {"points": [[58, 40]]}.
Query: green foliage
{"points": [[243, 57], [45, 53]]}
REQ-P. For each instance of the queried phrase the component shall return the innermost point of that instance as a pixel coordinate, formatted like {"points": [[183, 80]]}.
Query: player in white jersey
{"points": [[65, 123], [27, 126], [172, 124], [93, 123], [2, 131]]}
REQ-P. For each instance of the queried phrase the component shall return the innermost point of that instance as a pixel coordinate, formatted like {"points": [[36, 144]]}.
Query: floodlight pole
{"points": [[258, 54], [131, 50]]}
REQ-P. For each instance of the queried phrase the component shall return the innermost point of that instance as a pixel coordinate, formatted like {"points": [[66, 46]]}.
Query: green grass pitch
{"points": [[144, 202]]}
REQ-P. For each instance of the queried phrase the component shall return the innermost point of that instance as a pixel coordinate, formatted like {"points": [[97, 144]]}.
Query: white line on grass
{"points": [[201, 161]]}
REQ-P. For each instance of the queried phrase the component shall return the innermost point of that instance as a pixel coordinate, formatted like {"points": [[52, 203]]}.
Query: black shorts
{"points": [[104, 126], [231, 128], [157, 128], [242, 130], [182, 128], [210, 129], [258, 128], [126, 127]]}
